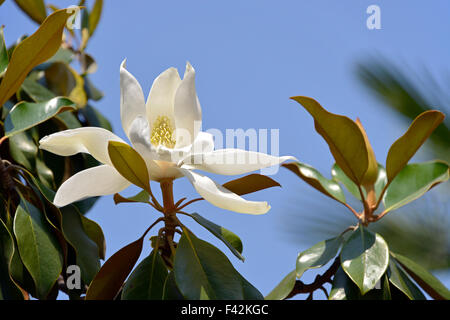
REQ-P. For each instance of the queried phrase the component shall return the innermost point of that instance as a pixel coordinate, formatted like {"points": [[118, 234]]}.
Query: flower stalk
{"points": [[167, 233]]}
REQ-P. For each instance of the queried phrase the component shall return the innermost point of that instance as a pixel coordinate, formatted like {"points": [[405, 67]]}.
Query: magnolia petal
{"points": [[203, 143], [187, 110], [140, 133], [97, 181], [140, 139], [132, 102], [160, 100], [92, 140], [233, 161], [222, 197]]}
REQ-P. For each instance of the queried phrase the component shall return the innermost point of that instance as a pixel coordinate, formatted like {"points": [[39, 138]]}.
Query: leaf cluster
{"points": [[367, 268], [41, 92]]}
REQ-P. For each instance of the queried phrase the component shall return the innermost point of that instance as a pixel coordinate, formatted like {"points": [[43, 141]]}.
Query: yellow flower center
{"points": [[162, 133]]}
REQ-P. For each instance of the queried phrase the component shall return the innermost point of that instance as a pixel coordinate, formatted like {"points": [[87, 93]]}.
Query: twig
{"points": [[179, 202], [324, 291], [155, 204], [188, 203], [318, 283], [357, 215], [3, 139], [153, 224], [381, 215]]}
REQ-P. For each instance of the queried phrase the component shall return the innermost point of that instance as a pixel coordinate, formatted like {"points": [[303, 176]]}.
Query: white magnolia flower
{"points": [[165, 131]]}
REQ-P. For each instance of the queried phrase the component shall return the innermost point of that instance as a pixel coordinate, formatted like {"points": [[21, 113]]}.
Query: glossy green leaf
{"points": [[142, 196], [38, 247], [344, 138], [343, 288], [8, 289], [95, 232], [69, 120], [44, 173], [315, 179], [20, 274], [250, 183], [17, 271], [171, 291], [282, 290], [423, 278], [23, 150], [36, 91], [249, 292], [48, 193], [108, 281], [35, 9], [231, 240], [87, 253], [32, 51], [147, 280], [318, 255], [4, 59], [94, 16], [406, 146], [203, 272], [25, 115], [365, 257], [402, 282], [413, 181], [129, 164]]}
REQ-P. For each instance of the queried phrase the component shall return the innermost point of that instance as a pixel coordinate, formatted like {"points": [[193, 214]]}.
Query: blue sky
{"points": [[250, 57]]}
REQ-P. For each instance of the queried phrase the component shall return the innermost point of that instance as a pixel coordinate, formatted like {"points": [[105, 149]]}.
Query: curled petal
{"points": [[187, 110], [97, 181], [233, 161], [132, 102], [140, 133], [90, 140], [222, 197], [160, 100]]}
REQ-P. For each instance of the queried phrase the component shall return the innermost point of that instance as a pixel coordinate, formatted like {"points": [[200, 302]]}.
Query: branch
{"points": [[188, 203], [356, 214], [318, 283]]}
